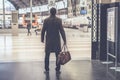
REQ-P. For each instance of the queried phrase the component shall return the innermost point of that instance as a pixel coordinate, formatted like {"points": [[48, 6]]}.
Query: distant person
{"points": [[28, 28], [89, 20], [52, 26], [38, 28]]}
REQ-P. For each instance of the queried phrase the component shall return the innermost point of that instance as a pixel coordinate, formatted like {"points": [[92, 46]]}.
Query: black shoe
{"points": [[58, 72], [46, 72]]}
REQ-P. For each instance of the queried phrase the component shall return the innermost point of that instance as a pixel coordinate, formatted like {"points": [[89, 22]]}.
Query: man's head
{"points": [[53, 11]]}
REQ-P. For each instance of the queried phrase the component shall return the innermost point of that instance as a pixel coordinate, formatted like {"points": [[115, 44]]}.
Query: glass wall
{"points": [[79, 14], [5, 14], [81, 9], [40, 13]]}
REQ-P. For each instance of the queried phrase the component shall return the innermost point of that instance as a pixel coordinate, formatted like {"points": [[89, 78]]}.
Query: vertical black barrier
{"points": [[98, 31], [112, 38], [117, 4], [115, 46], [103, 32], [118, 57], [94, 39]]}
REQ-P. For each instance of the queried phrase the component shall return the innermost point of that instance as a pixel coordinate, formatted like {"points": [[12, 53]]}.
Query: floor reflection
{"points": [[16, 48], [75, 70], [47, 76], [57, 77]]}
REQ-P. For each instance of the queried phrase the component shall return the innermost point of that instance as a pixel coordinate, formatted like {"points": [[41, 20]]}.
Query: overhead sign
{"points": [[83, 3], [51, 2], [111, 24]]}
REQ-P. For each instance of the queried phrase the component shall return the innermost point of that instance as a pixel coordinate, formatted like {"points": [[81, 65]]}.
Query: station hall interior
{"points": [[92, 34]]}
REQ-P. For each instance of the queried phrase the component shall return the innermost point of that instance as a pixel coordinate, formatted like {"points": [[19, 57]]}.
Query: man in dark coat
{"points": [[52, 26]]}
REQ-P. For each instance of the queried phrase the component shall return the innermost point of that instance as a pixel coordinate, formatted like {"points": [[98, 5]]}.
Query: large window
{"points": [[6, 22], [42, 12], [8, 6]]}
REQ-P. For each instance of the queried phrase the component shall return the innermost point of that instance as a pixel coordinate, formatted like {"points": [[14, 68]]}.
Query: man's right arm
{"points": [[43, 31], [62, 32]]}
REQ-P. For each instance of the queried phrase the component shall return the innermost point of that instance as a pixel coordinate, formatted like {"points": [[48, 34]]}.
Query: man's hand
{"points": [[64, 43], [42, 41]]}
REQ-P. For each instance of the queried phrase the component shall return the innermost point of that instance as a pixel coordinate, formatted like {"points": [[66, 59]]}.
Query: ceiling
{"points": [[26, 3]]}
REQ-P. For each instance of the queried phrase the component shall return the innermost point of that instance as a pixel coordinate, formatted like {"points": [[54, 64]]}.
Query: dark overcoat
{"points": [[52, 26]]}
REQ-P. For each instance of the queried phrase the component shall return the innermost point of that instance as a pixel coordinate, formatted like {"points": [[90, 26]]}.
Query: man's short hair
{"points": [[53, 11]]}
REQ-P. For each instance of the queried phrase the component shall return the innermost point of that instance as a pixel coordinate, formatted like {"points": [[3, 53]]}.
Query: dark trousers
{"points": [[29, 32], [37, 31], [47, 56]]}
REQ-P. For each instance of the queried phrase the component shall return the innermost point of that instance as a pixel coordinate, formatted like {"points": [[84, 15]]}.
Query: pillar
{"points": [[15, 23]]}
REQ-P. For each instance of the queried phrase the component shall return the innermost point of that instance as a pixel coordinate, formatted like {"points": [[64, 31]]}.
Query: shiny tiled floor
{"points": [[29, 48], [74, 70], [22, 58]]}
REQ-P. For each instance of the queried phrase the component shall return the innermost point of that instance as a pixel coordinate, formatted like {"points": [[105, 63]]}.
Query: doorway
{"points": [[78, 29]]}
